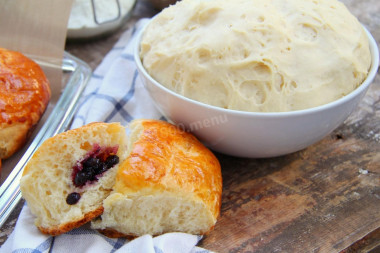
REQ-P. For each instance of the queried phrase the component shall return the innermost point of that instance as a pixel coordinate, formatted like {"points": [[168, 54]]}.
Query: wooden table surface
{"points": [[325, 198]]}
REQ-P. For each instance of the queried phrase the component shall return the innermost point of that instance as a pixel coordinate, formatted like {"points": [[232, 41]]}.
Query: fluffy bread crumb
{"points": [[47, 178], [154, 214]]}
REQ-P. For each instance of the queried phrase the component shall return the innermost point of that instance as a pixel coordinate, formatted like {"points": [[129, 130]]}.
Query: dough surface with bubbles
{"points": [[258, 56]]}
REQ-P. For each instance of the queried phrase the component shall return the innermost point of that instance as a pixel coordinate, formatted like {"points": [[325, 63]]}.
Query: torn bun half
{"points": [[164, 180]]}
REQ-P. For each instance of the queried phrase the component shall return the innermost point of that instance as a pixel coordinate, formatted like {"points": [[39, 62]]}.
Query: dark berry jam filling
{"points": [[72, 198], [94, 164]]}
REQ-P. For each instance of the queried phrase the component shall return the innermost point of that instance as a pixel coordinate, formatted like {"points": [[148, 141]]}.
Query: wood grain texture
{"points": [[316, 200]]}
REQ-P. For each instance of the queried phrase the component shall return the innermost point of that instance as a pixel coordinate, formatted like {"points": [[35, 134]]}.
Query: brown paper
{"points": [[37, 29]]}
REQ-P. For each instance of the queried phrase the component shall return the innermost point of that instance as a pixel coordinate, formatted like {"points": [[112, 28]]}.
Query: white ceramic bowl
{"points": [[255, 134]]}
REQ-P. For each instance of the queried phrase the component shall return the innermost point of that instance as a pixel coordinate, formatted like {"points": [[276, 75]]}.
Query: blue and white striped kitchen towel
{"points": [[114, 94]]}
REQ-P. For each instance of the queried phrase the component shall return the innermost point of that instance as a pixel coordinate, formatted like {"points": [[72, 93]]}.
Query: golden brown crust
{"points": [[54, 231], [13, 137], [24, 95], [166, 158], [112, 233]]}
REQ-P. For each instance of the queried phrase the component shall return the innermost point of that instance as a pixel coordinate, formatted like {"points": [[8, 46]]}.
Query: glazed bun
{"points": [[24, 96], [70, 175], [169, 182], [165, 181]]}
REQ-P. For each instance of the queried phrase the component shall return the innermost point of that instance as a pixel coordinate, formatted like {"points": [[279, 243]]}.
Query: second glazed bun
{"points": [[24, 96]]}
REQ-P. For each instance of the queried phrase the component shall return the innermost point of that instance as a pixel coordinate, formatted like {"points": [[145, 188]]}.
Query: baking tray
{"points": [[57, 118]]}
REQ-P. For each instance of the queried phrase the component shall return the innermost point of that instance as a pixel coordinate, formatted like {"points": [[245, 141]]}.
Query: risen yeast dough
{"points": [[255, 55]]}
